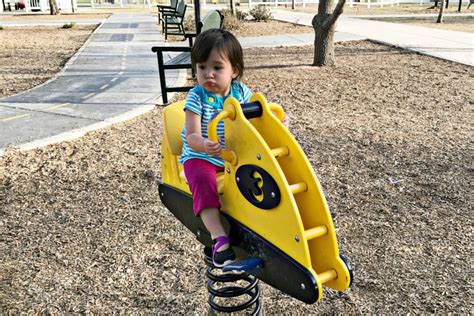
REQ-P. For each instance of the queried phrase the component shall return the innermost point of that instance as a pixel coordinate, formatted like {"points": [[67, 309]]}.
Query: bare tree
{"points": [[324, 24], [53, 7], [440, 15]]}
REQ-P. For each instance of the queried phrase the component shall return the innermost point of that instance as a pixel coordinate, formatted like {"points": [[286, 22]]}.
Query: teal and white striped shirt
{"points": [[207, 105]]}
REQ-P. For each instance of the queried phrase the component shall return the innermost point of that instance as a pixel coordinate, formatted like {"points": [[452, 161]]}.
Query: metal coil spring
{"points": [[230, 288]]}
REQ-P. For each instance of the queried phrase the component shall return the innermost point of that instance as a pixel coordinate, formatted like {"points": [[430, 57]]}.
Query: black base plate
{"points": [[279, 270]]}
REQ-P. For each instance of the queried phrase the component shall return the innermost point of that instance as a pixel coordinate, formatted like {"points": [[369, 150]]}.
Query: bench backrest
{"points": [[181, 9], [213, 20]]}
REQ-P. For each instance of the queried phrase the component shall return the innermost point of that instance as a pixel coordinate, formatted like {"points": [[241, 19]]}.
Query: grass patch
{"points": [[69, 25]]}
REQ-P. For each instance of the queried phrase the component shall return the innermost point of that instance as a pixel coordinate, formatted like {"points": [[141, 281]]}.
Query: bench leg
{"points": [[182, 31], [161, 70]]}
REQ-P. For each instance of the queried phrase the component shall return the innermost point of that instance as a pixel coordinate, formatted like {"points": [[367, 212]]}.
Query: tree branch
{"points": [[333, 17]]}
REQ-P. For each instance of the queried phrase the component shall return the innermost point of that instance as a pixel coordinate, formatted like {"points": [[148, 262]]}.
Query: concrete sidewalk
{"points": [[448, 45], [113, 77]]}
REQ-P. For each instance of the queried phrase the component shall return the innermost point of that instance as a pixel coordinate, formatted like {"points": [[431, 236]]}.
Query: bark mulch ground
{"points": [[389, 134], [30, 56]]}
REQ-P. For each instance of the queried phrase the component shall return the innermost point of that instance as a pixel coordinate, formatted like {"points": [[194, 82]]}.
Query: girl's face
{"points": [[216, 74]]}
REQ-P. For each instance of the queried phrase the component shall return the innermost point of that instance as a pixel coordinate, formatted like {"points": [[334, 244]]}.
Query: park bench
{"points": [[213, 19], [173, 22], [166, 9]]}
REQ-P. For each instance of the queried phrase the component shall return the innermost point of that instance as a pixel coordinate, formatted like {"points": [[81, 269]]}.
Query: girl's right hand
{"points": [[211, 148]]}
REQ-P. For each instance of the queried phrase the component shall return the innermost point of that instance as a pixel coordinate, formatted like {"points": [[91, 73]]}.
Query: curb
{"points": [[76, 133]]}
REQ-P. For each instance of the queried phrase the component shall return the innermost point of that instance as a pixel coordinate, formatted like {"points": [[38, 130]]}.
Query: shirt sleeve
{"points": [[241, 92], [246, 93], [193, 102]]}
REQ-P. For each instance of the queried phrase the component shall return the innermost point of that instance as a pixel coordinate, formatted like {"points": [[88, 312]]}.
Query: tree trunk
{"points": [[324, 24], [232, 11], [440, 15], [53, 7], [324, 46], [293, 4]]}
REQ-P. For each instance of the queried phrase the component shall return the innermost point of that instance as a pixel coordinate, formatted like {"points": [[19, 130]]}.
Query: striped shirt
{"points": [[207, 105]]}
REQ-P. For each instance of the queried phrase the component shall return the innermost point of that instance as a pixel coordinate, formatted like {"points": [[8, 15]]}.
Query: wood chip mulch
{"points": [[389, 134]]}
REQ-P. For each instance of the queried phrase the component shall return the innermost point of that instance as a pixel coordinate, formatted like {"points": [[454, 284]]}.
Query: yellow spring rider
{"points": [[272, 204]]}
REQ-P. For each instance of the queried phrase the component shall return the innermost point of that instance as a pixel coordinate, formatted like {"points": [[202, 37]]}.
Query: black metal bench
{"points": [[214, 19], [166, 9], [173, 22]]}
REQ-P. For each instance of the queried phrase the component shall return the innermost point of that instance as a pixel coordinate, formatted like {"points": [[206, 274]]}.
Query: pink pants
{"points": [[201, 176]]}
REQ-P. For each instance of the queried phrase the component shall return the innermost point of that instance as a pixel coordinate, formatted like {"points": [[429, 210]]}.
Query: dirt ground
{"points": [[388, 133], [30, 56], [45, 16]]}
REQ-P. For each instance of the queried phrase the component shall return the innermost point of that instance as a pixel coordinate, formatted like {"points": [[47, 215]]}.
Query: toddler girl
{"points": [[218, 60]]}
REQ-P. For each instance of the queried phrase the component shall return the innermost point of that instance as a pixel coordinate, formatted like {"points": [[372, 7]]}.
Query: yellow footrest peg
{"points": [[316, 232], [298, 187], [327, 276], [280, 152]]}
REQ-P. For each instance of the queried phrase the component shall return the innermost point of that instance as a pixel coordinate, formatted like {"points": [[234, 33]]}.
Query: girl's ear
{"points": [[235, 73]]}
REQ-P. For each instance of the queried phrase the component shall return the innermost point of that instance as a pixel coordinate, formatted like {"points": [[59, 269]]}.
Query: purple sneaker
{"points": [[222, 258]]}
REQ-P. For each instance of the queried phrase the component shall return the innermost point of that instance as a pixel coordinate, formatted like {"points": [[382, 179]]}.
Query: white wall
{"points": [[67, 6]]}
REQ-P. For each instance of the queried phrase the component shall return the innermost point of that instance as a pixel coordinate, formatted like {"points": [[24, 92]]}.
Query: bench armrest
{"points": [[170, 13], [161, 49], [190, 37]]}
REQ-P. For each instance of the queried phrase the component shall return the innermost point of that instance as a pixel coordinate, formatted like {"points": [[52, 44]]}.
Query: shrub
{"points": [[230, 21], [241, 15], [189, 24], [69, 25], [1, 27], [260, 13]]}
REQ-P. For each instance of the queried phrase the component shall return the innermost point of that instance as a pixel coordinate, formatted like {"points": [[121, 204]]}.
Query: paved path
{"points": [[114, 76], [449, 45]]}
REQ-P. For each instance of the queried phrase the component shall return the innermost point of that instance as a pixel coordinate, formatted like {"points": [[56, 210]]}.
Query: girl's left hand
{"points": [[212, 148]]}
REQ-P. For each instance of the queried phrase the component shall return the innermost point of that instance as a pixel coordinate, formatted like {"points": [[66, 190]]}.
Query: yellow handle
{"points": [[228, 112], [280, 114]]}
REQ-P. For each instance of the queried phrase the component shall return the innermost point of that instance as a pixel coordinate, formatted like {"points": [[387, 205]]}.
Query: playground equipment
{"points": [[273, 207]]}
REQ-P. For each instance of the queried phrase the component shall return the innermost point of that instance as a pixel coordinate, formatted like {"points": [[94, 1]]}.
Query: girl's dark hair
{"points": [[225, 43]]}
